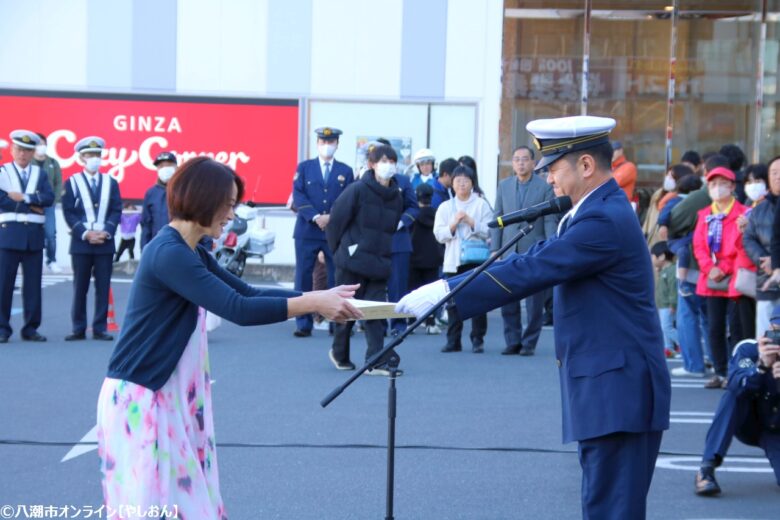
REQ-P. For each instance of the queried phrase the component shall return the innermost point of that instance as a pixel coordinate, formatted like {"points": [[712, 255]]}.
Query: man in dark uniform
{"points": [[24, 193], [316, 185], [443, 183], [398, 284], [615, 385], [154, 213], [749, 410], [92, 208]]}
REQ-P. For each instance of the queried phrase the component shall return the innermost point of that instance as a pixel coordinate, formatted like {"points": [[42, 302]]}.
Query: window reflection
{"points": [[715, 95]]}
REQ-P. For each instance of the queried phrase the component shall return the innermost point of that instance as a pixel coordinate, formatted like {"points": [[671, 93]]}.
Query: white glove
{"points": [[420, 301]]}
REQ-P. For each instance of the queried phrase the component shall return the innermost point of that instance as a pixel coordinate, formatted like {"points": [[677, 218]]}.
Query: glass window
{"points": [[717, 52]]}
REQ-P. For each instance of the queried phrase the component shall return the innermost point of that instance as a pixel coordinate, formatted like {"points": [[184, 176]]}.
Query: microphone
{"points": [[556, 205]]}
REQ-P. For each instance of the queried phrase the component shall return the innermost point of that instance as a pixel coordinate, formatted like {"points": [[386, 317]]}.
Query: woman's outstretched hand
{"points": [[333, 304], [345, 291]]}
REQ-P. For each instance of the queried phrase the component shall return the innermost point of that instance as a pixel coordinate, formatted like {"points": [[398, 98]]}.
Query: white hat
{"points": [[424, 154], [554, 138], [90, 144], [25, 139]]}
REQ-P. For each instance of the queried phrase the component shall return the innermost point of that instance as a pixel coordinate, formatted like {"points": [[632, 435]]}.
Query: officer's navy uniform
{"points": [[22, 238], [154, 213], [314, 195], [615, 385], [398, 284], [440, 194], [91, 259], [749, 410]]}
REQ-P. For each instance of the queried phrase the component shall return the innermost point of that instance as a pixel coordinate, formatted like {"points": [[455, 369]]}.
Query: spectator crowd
{"points": [[712, 231]]}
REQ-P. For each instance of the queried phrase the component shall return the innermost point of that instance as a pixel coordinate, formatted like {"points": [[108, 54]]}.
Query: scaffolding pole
{"points": [[672, 77], [585, 59], [759, 105]]}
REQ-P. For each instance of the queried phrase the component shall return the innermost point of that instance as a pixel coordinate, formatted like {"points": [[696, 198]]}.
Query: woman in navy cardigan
{"points": [[155, 428]]}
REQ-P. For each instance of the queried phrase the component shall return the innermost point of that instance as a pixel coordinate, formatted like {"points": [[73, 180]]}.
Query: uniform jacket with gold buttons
{"points": [[608, 341], [312, 196]]}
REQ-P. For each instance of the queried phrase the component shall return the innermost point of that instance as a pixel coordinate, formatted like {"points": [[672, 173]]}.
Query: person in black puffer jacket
{"points": [[757, 241], [360, 233]]}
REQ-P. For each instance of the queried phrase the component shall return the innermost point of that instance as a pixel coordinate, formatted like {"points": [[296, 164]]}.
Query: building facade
{"points": [[462, 77], [716, 63]]}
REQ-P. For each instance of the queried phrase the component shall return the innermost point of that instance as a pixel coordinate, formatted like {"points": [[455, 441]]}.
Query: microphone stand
{"points": [[388, 356]]}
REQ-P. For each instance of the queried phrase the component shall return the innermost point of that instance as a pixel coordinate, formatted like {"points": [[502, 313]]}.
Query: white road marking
{"points": [[691, 417], [730, 464], [81, 449], [47, 280]]}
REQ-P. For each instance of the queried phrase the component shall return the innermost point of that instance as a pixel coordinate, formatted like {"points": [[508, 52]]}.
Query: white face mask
{"points": [[385, 170], [755, 190], [718, 192], [92, 163], [165, 173], [40, 149], [669, 183], [326, 150]]}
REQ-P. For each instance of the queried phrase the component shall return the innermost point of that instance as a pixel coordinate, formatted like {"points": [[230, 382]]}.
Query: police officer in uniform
{"points": [[24, 193], [316, 184], [92, 207], [398, 284], [154, 214], [615, 386], [749, 410]]}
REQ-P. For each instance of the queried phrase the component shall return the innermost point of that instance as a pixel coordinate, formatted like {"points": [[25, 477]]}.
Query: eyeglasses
{"points": [[521, 159]]}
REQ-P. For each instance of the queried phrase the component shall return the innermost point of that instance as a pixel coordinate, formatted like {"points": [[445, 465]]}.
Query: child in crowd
{"points": [[427, 253], [128, 224], [666, 294], [680, 247]]}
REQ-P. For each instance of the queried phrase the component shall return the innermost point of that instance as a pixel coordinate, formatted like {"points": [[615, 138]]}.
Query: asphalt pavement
{"points": [[479, 435]]}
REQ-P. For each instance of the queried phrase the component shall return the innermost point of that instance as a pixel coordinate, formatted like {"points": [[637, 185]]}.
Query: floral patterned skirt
{"points": [[158, 448]]}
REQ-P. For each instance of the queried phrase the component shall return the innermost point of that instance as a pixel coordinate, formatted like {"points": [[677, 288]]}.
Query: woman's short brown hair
{"points": [[199, 189]]}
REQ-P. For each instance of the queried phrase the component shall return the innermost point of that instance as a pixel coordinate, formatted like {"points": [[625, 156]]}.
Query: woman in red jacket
{"points": [[717, 244]]}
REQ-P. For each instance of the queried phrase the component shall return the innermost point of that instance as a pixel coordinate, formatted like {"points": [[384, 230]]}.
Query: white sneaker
{"points": [[432, 329], [323, 325], [681, 372], [381, 371], [54, 268]]}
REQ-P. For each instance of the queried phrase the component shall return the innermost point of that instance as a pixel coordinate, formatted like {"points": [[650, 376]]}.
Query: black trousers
{"points": [[84, 267], [32, 265], [419, 277], [742, 320], [126, 244], [455, 323], [717, 314], [374, 290]]}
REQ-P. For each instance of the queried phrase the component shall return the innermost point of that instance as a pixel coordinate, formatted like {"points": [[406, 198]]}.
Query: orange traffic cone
{"points": [[112, 324]]}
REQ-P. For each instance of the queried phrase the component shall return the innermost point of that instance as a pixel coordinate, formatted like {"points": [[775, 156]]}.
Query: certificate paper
{"points": [[377, 310]]}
